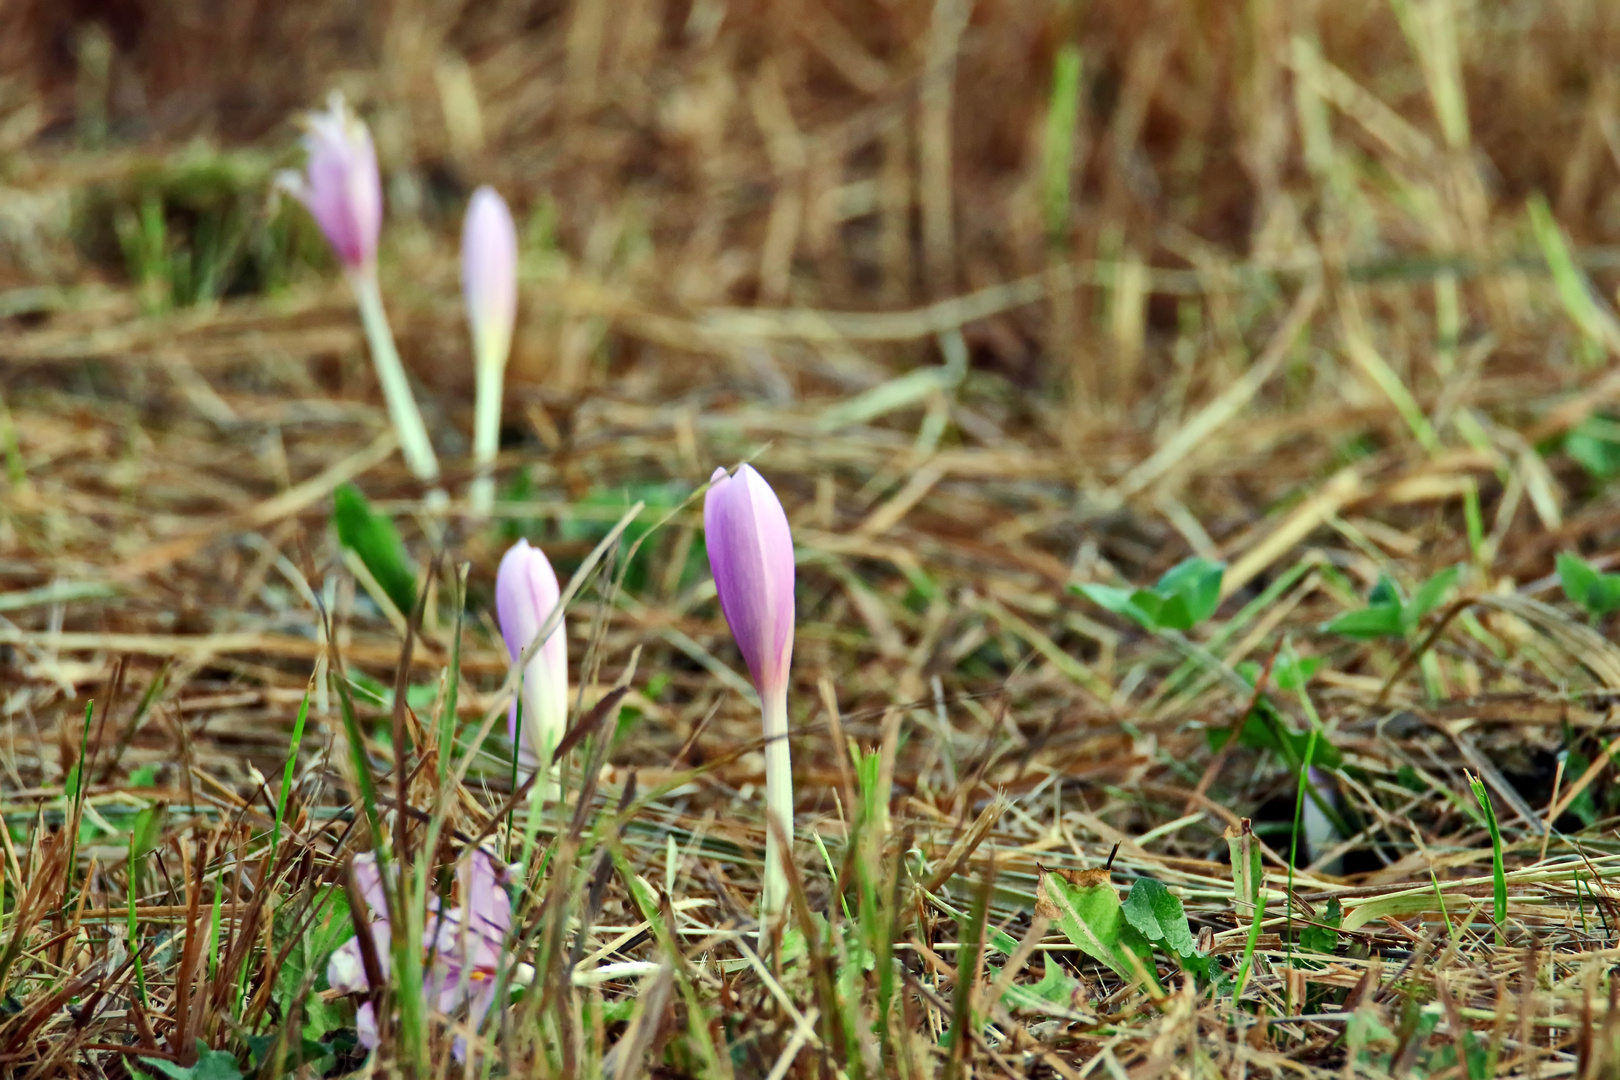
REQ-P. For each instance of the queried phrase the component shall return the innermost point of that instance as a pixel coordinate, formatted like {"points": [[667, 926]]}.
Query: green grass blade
{"points": [[1498, 876]]}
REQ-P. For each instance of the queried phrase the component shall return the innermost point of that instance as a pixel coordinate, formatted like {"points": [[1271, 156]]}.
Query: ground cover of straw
{"points": [[1001, 300]]}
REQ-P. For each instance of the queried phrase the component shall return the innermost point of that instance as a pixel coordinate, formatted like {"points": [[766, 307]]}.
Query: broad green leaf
{"points": [[1086, 907], [211, 1065], [375, 540], [1157, 913], [1380, 620], [1196, 582], [1324, 938], [1427, 598], [145, 776]]}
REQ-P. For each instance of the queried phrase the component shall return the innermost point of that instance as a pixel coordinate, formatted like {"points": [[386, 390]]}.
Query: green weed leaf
{"points": [[1085, 905], [1185, 596]]}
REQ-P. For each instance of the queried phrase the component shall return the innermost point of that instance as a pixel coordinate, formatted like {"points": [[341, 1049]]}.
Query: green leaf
{"points": [[145, 776], [1086, 907], [1288, 672], [1196, 584], [1157, 913], [1264, 730], [1185, 596], [375, 540], [1324, 938], [1408, 778], [1598, 593], [315, 1054], [1583, 806], [211, 1065], [1379, 620], [1057, 991], [331, 927], [1574, 290], [1577, 577], [1498, 876], [1386, 592], [147, 831], [1121, 602], [1594, 445], [1427, 598]]}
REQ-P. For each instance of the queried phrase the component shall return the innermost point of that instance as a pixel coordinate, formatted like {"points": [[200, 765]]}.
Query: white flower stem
{"points": [[402, 410], [491, 364], [778, 805]]}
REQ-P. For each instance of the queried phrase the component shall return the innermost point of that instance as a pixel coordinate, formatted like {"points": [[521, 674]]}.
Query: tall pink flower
{"points": [[489, 257], [751, 555], [343, 191], [525, 593], [340, 184], [489, 266]]}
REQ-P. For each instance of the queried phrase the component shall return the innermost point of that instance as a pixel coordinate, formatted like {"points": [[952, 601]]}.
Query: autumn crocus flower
{"points": [[525, 594], [342, 189], [751, 555], [489, 256], [463, 943]]}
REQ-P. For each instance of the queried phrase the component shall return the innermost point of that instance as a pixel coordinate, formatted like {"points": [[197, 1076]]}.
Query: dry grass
{"points": [[1274, 298]]}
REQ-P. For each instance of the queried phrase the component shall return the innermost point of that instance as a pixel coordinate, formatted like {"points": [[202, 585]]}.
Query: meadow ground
{"points": [[1019, 306]]}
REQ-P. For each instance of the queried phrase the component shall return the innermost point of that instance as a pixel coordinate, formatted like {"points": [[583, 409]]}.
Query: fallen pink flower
{"points": [[464, 946]]}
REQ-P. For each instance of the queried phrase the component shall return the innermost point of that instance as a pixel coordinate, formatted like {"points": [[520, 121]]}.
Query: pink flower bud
{"points": [[751, 555], [525, 593], [489, 257], [340, 184]]}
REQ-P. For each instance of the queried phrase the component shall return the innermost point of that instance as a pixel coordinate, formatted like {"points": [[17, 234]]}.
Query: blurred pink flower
{"points": [[489, 257], [464, 945], [340, 184]]}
